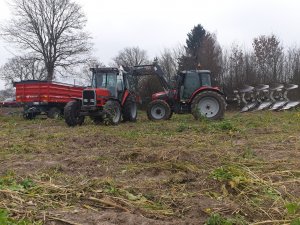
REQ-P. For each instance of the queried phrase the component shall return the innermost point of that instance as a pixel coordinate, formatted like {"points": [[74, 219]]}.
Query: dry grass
{"points": [[244, 169]]}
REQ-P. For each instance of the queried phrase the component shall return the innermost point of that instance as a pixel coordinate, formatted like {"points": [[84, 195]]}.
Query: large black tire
{"points": [[129, 110], [97, 119], [209, 104], [112, 113], [170, 116], [72, 114], [27, 114], [54, 113], [158, 110]]}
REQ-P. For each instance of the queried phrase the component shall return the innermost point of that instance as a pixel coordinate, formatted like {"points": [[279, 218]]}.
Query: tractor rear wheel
{"points": [[112, 113], [158, 110], [72, 114], [208, 104], [130, 109]]}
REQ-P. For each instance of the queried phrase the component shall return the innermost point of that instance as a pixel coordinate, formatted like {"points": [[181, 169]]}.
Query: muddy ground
{"points": [[244, 169]]}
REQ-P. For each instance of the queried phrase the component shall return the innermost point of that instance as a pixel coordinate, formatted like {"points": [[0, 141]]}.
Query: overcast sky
{"points": [[157, 24]]}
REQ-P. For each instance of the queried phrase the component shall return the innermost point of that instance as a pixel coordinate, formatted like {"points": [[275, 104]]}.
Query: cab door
{"points": [[191, 83]]}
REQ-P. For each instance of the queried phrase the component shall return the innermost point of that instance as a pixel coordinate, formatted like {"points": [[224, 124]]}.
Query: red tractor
{"points": [[193, 93], [107, 100]]}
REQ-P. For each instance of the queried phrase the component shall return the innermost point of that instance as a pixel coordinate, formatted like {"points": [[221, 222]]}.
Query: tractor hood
{"points": [[100, 92]]}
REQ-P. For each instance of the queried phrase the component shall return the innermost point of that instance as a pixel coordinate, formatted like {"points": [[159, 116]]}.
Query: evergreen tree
{"points": [[194, 43]]}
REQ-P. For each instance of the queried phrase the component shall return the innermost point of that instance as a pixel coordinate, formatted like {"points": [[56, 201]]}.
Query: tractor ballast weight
{"points": [[107, 100], [193, 93]]}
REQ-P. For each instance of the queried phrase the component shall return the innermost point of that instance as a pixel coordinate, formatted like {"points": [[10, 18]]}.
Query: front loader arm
{"points": [[151, 69]]}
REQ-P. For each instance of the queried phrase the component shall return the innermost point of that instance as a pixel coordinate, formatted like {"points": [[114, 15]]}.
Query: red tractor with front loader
{"points": [[107, 101], [193, 93]]}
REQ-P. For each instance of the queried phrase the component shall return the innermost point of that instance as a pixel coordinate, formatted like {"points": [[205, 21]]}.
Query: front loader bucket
{"points": [[291, 105], [278, 105]]}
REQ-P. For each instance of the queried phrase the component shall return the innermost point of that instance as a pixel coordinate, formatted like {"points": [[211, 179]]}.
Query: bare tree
{"points": [[21, 68], [131, 57], [292, 65], [168, 63], [269, 57], [292, 68], [236, 66], [9, 92], [49, 29], [210, 55], [85, 74]]}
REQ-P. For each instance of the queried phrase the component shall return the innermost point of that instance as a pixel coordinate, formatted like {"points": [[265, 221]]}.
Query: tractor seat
{"points": [[261, 87], [276, 87], [246, 89], [290, 86]]}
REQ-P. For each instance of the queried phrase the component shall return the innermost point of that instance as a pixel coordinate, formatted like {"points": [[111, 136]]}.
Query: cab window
{"points": [[205, 79], [191, 84]]}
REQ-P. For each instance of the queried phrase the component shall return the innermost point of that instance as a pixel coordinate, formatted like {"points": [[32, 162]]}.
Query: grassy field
{"points": [[242, 170]]}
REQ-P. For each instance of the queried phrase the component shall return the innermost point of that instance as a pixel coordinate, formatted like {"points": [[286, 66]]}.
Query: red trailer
{"points": [[43, 97]]}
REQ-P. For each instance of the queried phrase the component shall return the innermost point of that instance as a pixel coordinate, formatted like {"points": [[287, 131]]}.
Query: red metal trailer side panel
{"points": [[43, 91]]}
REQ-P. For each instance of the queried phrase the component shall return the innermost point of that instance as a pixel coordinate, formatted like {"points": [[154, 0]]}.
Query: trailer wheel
{"points": [[112, 113], [129, 110], [72, 114], [54, 113], [208, 104], [158, 110], [29, 116]]}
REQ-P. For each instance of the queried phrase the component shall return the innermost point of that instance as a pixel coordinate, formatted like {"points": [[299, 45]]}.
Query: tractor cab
{"points": [[112, 80], [190, 81], [107, 83]]}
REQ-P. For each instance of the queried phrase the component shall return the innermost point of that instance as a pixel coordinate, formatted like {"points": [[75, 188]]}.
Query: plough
{"points": [[265, 97]]}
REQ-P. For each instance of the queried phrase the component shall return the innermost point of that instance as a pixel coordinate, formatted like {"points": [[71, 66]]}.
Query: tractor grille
{"points": [[89, 98]]}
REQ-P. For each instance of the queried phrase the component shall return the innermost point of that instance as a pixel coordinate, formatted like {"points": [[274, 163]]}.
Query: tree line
{"points": [[53, 43]]}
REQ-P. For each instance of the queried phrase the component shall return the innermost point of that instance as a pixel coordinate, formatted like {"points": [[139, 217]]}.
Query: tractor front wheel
{"points": [[208, 104], [158, 110], [112, 113], [72, 114]]}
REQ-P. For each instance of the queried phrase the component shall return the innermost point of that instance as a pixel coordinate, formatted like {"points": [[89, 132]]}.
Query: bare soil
{"points": [[151, 173]]}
